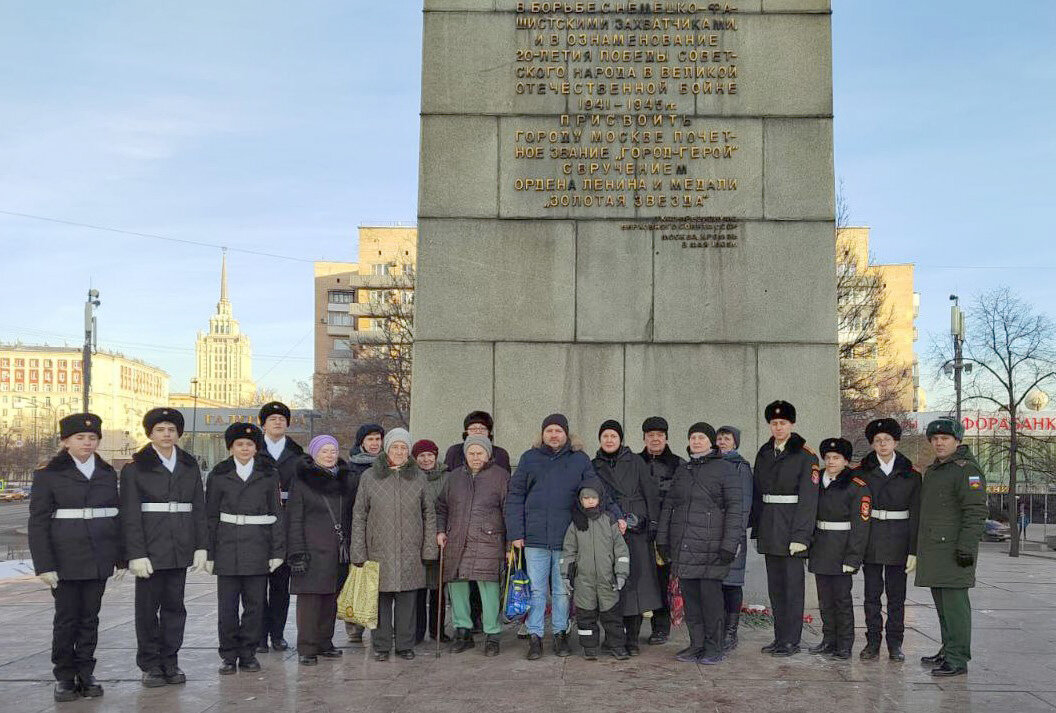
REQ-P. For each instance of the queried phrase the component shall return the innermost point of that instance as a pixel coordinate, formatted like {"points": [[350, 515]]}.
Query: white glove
{"points": [[49, 578], [119, 574], [141, 567], [208, 566], [200, 558], [274, 564], [794, 548], [911, 563], [848, 569]]}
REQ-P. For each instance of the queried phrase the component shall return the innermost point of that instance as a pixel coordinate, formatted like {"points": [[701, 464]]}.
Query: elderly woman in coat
{"points": [[394, 524], [629, 483], [471, 526], [318, 519], [700, 526], [729, 440]]}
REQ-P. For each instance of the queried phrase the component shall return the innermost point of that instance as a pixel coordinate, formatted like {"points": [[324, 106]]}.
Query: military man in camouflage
{"points": [[952, 511]]}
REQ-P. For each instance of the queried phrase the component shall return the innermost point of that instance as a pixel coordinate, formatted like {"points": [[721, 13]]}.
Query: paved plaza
{"points": [[1014, 667]]}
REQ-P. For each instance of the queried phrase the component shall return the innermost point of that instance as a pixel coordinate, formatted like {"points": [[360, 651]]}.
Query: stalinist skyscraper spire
{"points": [[224, 359]]}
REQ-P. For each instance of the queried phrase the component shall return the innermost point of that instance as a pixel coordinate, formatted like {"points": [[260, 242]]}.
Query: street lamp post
{"points": [[194, 413], [957, 332], [90, 342]]}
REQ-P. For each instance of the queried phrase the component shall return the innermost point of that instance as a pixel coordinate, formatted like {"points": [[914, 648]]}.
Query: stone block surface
{"points": [[465, 384], [459, 167], [614, 283], [798, 169], [806, 375], [797, 5]]}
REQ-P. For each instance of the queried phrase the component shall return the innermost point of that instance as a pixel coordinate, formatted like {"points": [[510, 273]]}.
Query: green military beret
{"points": [[945, 426]]}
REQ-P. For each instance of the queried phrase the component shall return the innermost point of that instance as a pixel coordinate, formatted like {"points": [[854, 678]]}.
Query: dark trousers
{"points": [[427, 602], [396, 619], [589, 634], [880, 578], [316, 615], [837, 610], [75, 630], [239, 636], [632, 629], [276, 605], [705, 614], [785, 580], [160, 618], [733, 596], [955, 623], [475, 608], [661, 621]]}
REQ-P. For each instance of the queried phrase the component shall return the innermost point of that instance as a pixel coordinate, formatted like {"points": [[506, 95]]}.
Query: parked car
{"points": [[994, 531]]}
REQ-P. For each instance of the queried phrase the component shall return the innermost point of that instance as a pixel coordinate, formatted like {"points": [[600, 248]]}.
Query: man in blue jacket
{"points": [[538, 512]]}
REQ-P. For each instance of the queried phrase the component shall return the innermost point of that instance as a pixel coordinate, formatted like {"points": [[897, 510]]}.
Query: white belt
{"points": [[166, 507], [889, 514], [284, 494], [83, 513], [247, 519], [826, 525], [781, 499]]}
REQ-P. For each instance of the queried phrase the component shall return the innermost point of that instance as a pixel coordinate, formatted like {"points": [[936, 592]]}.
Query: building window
{"points": [[341, 297], [339, 319], [380, 269], [342, 345]]}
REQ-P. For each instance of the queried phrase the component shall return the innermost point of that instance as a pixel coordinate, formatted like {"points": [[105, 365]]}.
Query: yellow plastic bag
{"points": [[358, 600]]}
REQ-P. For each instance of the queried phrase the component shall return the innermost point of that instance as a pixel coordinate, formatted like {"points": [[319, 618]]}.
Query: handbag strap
{"points": [[330, 511]]}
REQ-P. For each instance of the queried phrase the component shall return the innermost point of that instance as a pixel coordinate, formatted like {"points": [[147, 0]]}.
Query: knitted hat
{"points": [[654, 423], [242, 430], [837, 445], [365, 430], [80, 423], [481, 441], [396, 435], [163, 415], [883, 425], [733, 431], [945, 426], [588, 491], [272, 408], [316, 444], [780, 409], [424, 446], [611, 425], [702, 427], [556, 419]]}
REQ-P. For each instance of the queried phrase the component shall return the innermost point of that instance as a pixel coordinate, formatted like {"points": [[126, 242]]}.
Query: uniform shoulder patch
{"points": [[809, 450], [961, 462], [975, 481], [858, 481], [866, 508], [815, 474]]}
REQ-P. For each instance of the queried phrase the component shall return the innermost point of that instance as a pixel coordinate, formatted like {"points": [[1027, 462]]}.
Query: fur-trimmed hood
{"points": [[574, 443], [381, 468], [262, 463], [147, 458], [903, 465], [320, 479], [667, 457], [63, 461], [794, 444], [842, 480]]}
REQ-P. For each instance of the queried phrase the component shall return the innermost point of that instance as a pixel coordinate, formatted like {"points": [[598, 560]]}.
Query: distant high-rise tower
{"points": [[225, 368]]}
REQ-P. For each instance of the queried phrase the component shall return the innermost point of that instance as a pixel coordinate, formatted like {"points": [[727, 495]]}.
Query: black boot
{"points": [[870, 652], [463, 641], [561, 647], [90, 688], [535, 647], [936, 660], [66, 691], [895, 653], [491, 645], [228, 667], [827, 646], [733, 620]]}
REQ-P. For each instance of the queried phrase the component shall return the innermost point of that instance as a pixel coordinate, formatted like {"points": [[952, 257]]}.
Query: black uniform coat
{"points": [[310, 530], [288, 462], [631, 486], [75, 549], [890, 541], [169, 539], [701, 517], [244, 549], [847, 499], [793, 472], [662, 468]]}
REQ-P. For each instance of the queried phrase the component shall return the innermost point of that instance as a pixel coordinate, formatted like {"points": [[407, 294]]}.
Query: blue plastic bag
{"points": [[518, 587]]}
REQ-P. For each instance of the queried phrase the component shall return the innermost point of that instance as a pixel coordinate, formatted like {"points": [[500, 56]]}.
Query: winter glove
{"points": [[209, 566], [119, 573], [727, 557], [965, 559], [274, 564], [620, 581], [198, 563], [299, 562], [848, 569], [49, 578], [141, 567], [568, 584], [662, 550], [794, 548], [911, 563]]}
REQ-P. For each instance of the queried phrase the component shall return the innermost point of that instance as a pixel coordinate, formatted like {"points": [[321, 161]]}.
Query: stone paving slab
{"points": [[1014, 667]]}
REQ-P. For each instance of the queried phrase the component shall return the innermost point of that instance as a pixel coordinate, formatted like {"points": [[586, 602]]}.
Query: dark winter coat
{"points": [[309, 529], [662, 468], [701, 517], [744, 474], [77, 548], [470, 510], [792, 472], [890, 541], [455, 457], [287, 464], [847, 499], [244, 549], [629, 483], [169, 539], [952, 511], [543, 492], [434, 483], [394, 524], [597, 556]]}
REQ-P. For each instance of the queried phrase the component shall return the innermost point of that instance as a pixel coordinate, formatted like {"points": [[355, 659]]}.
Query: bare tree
{"points": [[1012, 348], [20, 455], [262, 395]]}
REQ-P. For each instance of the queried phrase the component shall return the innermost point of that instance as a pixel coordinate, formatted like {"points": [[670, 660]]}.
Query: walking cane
{"points": [[440, 601]]}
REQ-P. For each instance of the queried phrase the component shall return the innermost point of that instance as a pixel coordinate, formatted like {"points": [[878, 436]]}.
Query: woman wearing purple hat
{"points": [[319, 520]]}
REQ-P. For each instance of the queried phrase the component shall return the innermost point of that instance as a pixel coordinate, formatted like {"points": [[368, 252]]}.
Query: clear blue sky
{"points": [[279, 127]]}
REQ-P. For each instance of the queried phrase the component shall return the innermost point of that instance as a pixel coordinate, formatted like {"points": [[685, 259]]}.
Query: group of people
{"points": [[618, 535]]}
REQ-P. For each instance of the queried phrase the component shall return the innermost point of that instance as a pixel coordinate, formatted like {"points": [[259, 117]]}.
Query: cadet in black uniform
{"points": [[163, 521], [840, 536], [286, 453], [892, 549], [786, 502], [75, 542], [247, 542]]}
